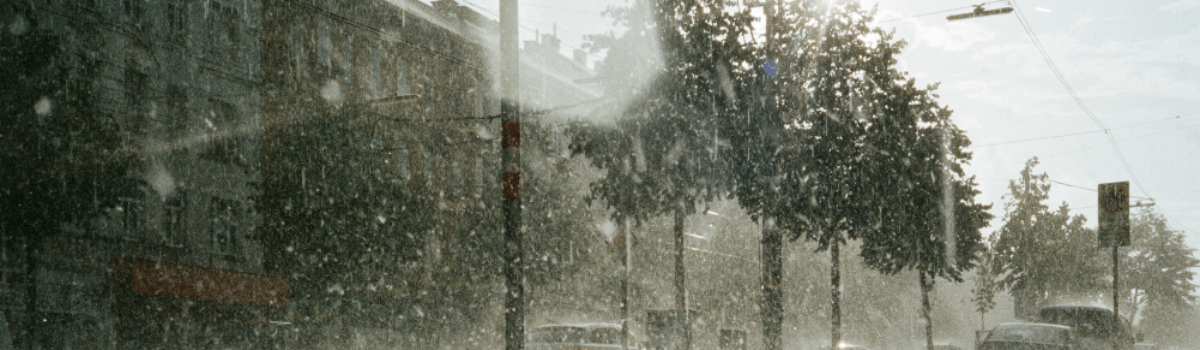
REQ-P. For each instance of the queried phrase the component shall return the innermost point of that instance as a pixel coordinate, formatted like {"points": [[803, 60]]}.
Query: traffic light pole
{"points": [[510, 153]]}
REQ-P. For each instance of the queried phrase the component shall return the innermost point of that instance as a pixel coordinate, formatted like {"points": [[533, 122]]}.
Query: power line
{"points": [[1126, 139], [1054, 68], [1089, 189], [1079, 133]]}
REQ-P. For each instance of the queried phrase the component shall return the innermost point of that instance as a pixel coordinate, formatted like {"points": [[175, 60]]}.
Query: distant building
{"points": [[178, 266]]}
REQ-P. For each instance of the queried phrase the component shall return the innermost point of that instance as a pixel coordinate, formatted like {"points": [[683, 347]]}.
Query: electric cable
{"points": [[1058, 74]]}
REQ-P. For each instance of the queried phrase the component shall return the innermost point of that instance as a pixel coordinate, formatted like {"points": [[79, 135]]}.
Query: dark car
{"points": [[582, 336], [1095, 326], [1030, 336]]}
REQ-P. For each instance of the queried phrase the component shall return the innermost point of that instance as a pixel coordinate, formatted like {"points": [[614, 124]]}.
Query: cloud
{"points": [[1083, 21], [1180, 5], [957, 36]]}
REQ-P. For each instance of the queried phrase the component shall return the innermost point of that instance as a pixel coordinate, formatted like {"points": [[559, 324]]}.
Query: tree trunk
{"points": [[680, 280], [772, 299], [925, 309], [835, 291]]}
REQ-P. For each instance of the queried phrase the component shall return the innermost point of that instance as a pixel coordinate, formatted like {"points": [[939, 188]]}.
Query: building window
{"points": [[479, 176], [133, 10], [402, 86], [130, 214], [136, 100], [427, 169], [176, 114], [176, 18], [458, 181], [175, 219], [225, 143], [479, 98], [296, 43], [224, 30], [375, 70], [324, 45], [345, 56], [402, 161], [222, 226]]}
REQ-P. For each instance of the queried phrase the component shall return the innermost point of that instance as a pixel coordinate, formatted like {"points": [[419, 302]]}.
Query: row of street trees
{"points": [[1043, 256], [817, 136]]}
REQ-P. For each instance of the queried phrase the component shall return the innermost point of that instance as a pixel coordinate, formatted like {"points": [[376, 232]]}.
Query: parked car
{"points": [[583, 336], [845, 346], [1030, 336], [1095, 326], [943, 347]]}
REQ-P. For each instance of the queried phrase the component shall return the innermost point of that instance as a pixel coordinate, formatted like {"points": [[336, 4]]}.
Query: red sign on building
{"points": [[200, 283]]}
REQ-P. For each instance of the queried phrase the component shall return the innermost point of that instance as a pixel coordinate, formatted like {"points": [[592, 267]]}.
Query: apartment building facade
{"points": [[178, 264]]}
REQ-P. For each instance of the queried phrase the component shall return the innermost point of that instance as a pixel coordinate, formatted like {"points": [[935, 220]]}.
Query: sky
{"points": [[1134, 64]]}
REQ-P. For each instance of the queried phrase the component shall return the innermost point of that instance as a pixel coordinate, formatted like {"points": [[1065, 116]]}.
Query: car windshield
{"points": [[604, 336], [1029, 334], [564, 174], [559, 335], [1091, 323]]}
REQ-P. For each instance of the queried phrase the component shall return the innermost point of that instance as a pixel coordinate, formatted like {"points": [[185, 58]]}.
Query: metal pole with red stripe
{"points": [[510, 153]]}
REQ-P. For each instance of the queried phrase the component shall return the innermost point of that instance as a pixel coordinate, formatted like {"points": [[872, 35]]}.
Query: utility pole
{"points": [[510, 178]]}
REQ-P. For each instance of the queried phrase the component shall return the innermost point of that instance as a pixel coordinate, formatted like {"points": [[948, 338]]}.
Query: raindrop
{"points": [[19, 26], [332, 92], [43, 107], [161, 180]]}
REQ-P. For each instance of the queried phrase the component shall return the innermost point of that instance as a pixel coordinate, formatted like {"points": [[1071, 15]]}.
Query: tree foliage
{"points": [[1045, 254], [72, 159], [1157, 272], [983, 293], [663, 153], [330, 209]]}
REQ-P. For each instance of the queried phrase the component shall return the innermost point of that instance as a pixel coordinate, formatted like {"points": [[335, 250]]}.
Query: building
{"points": [[436, 139], [179, 264]]}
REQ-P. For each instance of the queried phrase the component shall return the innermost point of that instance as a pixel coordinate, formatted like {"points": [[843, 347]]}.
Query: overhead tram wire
{"points": [[1089, 189], [1058, 74], [1085, 133]]}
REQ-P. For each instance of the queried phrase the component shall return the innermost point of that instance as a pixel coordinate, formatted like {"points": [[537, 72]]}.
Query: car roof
{"points": [[1036, 324], [581, 325], [1076, 307]]}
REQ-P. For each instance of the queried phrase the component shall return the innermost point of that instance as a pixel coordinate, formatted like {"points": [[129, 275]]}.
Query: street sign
{"points": [[1114, 214]]}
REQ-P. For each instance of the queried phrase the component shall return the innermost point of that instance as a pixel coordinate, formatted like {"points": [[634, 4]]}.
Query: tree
{"points": [[74, 162], [334, 218], [984, 291], [837, 137], [663, 155], [1045, 255], [929, 220], [1157, 274]]}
